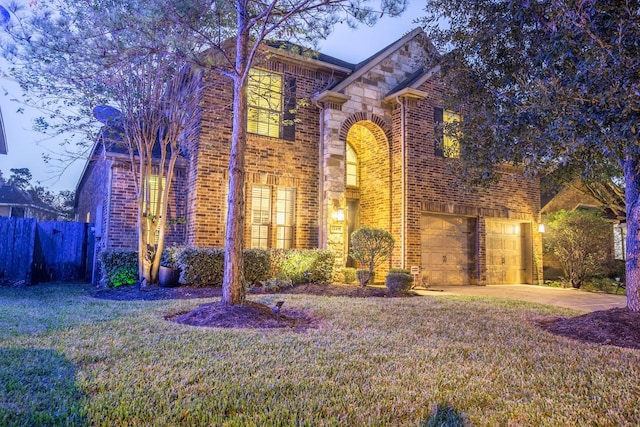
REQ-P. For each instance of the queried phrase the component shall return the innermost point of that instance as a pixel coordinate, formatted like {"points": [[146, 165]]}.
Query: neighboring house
{"points": [[575, 196], [20, 204], [3, 137], [365, 150]]}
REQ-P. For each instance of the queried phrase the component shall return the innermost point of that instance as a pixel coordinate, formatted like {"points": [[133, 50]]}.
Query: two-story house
{"points": [[366, 149]]}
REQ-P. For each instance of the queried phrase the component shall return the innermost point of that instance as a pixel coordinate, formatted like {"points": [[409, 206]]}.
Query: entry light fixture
{"points": [[338, 215], [541, 228]]}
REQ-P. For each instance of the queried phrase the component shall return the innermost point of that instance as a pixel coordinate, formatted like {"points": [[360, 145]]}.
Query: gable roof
{"points": [[3, 138], [11, 195], [366, 65]]}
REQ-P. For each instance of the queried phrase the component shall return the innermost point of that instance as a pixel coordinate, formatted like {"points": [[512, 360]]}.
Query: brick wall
{"points": [[269, 161]]}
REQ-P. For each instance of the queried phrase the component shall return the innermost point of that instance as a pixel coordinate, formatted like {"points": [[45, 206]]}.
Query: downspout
{"points": [[321, 224], [403, 182]]}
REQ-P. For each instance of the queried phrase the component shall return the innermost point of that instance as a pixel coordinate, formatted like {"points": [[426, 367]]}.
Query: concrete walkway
{"points": [[569, 298]]}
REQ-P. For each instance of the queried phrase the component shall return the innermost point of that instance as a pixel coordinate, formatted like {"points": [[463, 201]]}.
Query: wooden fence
{"points": [[43, 251]]}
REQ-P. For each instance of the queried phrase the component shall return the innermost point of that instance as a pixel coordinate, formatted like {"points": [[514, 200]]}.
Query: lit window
{"points": [[264, 103], [284, 218], [152, 204], [450, 144], [260, 216], [447, 145], [352, 167]]}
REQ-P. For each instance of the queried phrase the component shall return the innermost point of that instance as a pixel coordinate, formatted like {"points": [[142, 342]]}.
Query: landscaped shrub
{"points": [[348, 275], [257, 266], [170, 256], [370, 247], [303, 265], [119, 268], [365, 276], [275, 284], [399, 281], [201, 266], [581, 241]]}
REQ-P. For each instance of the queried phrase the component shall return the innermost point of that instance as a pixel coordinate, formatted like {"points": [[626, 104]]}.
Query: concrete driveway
{"points": [[569, 298]]}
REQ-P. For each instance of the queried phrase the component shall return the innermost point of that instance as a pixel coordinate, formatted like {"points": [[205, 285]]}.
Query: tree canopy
{"points": [[545, 85]]}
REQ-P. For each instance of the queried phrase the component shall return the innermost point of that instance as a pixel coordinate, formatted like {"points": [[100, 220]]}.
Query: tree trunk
{"points": [[232, 283], [632, 196]]}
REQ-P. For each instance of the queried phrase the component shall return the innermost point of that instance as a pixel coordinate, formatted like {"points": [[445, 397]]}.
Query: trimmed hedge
{"points": [[398, 282], [119, 268], [348, 275], [257, 266], [201, 266], [303, 265], [205, 266]]}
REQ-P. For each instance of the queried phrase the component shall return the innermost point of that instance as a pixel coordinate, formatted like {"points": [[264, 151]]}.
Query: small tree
{"points": [[580, 241], [370, 247]]}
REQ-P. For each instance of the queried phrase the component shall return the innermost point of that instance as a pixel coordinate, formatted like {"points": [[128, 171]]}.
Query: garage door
{"points": [[447, 244], [507, 252]]}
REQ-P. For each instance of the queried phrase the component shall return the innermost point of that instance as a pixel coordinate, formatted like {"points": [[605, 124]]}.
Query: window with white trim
{"points": [[260, 216], [281, 209], [285, 218], [352, 167]]}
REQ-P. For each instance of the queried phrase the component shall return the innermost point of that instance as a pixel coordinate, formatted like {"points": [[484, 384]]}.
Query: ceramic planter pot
{"points": [[168, 277]]}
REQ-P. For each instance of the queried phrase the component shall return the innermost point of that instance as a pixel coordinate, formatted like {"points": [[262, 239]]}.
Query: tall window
{"points": [[352, 167], [152, 192], [262, 210], [260, 216], [264, 103], [447, 145], [284, 218]]}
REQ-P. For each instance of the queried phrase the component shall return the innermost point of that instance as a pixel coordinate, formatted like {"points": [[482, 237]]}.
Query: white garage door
{"points": [[447, 243], [507, 252]]}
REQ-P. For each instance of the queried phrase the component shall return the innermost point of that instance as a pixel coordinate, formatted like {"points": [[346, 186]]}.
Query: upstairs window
{"points": [[447, 145], [271, 104], [352, 167]]}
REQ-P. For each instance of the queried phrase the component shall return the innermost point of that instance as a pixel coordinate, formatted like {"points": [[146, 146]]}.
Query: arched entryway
{"points": [[367, 174]]}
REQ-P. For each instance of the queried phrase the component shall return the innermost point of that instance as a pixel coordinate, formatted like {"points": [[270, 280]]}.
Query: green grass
{"points": [[67, 359]]}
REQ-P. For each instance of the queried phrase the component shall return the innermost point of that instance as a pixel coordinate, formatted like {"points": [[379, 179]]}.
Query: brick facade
{"points": [[383, 108]]}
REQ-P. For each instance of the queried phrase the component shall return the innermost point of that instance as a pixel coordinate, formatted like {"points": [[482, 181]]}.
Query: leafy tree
{"points": [[370, 247], [546, 85], [130, 72], [20, 178], [67, 43], [581, 240]]}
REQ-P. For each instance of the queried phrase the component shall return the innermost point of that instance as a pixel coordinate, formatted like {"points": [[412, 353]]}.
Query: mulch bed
{"points": [[618, 327]]}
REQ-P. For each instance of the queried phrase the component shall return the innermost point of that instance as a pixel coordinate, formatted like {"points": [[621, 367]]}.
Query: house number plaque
{"points": [[336, 229]]}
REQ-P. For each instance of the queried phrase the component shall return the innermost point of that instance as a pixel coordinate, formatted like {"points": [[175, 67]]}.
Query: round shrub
{"points": [[398, 282]]}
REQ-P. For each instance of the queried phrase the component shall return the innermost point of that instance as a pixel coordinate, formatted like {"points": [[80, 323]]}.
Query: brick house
{"points": [[364, 150]]}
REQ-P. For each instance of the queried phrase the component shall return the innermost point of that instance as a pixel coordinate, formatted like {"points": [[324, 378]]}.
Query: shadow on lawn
{"points": [[37, 388]]}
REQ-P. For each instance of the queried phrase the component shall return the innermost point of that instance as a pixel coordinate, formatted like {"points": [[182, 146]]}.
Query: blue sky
{"points": [[26, 147]]}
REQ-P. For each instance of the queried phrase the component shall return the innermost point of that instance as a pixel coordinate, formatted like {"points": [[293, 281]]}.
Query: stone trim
{"points": [[381, 124]]}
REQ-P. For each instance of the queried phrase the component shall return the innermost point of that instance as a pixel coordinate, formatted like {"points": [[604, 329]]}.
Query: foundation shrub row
{"points": [[202, 267]]}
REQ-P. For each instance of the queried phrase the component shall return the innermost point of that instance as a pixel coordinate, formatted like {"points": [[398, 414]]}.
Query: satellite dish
{"points": [[107, 114], [4, 15]]}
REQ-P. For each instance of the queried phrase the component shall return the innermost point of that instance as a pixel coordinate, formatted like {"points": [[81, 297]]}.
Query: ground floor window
{"points": [[269, 206]]}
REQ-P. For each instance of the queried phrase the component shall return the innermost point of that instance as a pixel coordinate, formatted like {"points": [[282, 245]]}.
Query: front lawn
{"points": [[69, 359]]}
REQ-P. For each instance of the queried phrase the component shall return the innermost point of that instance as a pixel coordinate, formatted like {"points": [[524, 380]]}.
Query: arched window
{"points": [[352, 167]]}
